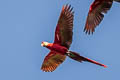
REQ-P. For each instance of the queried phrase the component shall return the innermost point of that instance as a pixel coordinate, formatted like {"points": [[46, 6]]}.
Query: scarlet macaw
{"points": [[96, 14], [63, 39]]}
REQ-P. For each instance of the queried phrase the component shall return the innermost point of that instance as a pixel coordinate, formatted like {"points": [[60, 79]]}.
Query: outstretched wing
{"points": [[63, 32], [52, 61], [96, 14]]}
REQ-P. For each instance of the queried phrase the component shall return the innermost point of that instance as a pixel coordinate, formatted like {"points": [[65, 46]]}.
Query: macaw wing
{"points": [[63, 32], [96, 14], [52, 61]]}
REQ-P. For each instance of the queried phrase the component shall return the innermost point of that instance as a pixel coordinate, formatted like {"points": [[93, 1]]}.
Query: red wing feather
{"points": [[96, 14], [52, 61], [63, 32]]}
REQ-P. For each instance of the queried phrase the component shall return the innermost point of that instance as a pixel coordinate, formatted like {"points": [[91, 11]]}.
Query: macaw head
{"points": [[44, 44]]}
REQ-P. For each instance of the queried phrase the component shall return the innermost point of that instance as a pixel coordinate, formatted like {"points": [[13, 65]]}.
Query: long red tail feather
{"points": [[79, 58]]}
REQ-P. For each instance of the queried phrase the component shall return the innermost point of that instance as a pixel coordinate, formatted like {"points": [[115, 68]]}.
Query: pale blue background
{"points": [[24, 24]]}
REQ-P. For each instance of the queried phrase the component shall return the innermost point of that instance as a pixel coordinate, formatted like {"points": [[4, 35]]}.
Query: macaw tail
{"points": [[79, 58]]}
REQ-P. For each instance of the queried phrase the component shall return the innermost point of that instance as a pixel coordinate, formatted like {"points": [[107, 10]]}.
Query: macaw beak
{"points": [[42, 44]]}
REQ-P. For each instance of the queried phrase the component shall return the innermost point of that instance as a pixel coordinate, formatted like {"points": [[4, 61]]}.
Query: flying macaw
{"points": [[63, 39], [96, 14]]}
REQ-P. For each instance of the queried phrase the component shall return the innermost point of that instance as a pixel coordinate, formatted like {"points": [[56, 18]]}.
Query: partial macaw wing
{"points": [[63, 32], [96, 14], [52, 61]]}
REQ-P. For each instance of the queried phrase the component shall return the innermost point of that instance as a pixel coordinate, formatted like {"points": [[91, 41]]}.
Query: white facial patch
{"points": [[44, 44]]}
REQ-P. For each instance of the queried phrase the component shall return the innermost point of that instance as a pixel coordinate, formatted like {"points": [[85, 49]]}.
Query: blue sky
{"points": [[24, 24]]}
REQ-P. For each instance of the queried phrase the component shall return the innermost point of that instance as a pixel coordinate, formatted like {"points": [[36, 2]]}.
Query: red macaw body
{"points": [[96, 14], [57, 48], [63, 39]]}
